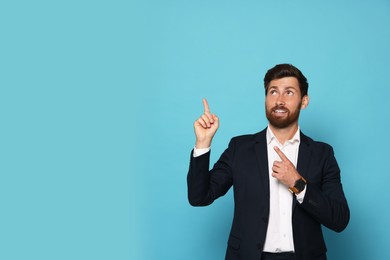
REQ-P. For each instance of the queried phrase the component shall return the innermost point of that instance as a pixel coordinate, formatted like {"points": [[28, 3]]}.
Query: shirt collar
{"points": [[270, 136]]}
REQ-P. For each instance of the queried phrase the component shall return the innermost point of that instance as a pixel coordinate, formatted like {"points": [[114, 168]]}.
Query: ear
{"points": [[305, 102]]}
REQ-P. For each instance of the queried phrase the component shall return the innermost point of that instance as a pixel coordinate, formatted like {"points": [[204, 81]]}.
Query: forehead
{"points": [[283, 83]]}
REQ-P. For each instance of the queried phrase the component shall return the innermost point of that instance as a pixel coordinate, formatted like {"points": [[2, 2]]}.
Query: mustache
{"points": [[280, 107]]}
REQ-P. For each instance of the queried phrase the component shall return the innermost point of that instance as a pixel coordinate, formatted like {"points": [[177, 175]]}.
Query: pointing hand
{"points": [[284, 170], [205, 127]]}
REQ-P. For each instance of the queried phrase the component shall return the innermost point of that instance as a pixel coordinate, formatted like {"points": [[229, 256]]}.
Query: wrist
{"points": [[202, 145]]}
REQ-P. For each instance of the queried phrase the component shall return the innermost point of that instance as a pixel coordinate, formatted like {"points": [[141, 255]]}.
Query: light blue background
{"points": [[98, 99]]}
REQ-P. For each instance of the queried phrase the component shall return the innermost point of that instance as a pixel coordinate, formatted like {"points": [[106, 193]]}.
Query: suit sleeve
{"points": [[205, 186], [325, 200]]}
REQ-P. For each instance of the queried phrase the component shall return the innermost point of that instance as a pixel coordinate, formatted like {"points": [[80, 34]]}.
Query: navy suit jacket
{"points": [[244, 165]]}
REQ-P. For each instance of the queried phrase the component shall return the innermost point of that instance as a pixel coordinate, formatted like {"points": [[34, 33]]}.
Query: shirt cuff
{"points": [[301, 195], [199, 152]]}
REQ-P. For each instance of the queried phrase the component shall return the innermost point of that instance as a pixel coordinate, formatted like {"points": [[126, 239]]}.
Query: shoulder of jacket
{"points": [[246, 137], [250, 137], [314, 143]]}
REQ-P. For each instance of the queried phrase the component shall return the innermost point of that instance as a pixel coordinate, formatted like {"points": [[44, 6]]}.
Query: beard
{"points": [[282, 122]]}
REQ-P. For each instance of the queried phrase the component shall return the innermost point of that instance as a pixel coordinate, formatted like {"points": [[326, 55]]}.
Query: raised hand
{"points": [[284, 170], [205, 127]]}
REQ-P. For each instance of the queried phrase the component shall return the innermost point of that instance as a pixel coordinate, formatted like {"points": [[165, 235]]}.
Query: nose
{"points": [[280, 101]]}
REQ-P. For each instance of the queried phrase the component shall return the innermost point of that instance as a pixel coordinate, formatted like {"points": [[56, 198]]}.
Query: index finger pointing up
{"points": [[206, 106]]}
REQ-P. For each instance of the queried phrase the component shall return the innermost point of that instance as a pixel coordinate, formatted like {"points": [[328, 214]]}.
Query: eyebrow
{"points": [[286, 88], [290, 88]]}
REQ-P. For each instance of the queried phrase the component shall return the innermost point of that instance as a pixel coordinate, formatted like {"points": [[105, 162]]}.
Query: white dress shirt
{"points": [[279, 233]]}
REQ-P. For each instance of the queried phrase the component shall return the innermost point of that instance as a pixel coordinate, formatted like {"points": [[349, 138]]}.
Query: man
{"points": [[285, 184]]}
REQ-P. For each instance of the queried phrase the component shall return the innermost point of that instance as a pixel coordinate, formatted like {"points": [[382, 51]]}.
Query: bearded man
{"points": [[286, 186]]}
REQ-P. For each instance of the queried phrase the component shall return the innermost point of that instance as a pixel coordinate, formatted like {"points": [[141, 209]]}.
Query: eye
{"points": [[272, 92], [290, 93]]}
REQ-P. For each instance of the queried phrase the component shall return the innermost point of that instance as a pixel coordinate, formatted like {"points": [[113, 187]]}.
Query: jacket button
{"points": [[259, 246]]}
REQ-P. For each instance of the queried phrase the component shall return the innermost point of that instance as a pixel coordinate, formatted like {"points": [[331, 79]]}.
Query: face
{"points": [[283, 102]]}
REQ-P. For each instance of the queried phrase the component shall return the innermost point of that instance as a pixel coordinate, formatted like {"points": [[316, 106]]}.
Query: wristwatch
{"points": [[298, 186]]}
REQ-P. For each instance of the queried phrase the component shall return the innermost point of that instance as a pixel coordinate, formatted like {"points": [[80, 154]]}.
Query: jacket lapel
{"points": [[262, 161], [304, 156]]}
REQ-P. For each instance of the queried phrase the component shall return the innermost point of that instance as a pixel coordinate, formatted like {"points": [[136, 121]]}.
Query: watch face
{"points": [[300, 184]]}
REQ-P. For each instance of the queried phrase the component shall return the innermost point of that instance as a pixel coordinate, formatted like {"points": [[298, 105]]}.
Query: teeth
{"points": [[280, 111]]}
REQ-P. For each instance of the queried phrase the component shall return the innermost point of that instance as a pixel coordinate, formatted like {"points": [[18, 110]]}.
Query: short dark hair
{"points": [[286, 70]]}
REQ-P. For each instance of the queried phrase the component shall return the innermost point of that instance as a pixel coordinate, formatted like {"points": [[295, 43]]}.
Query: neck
{"points": [[284, 134]]}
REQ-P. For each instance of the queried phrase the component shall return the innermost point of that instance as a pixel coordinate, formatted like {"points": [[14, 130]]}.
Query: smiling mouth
{"points": [[280, 111]]}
